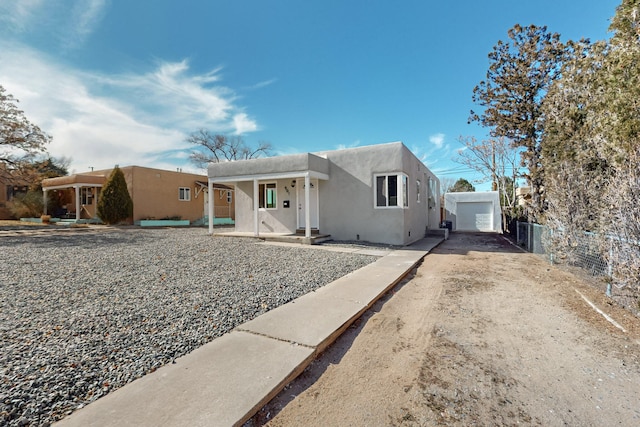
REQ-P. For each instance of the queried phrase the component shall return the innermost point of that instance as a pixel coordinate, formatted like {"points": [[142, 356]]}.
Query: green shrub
{"points": [[115, 204]]}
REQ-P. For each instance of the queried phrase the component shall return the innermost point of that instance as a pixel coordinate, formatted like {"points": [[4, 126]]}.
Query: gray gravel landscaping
{"points": [[82, 314]]}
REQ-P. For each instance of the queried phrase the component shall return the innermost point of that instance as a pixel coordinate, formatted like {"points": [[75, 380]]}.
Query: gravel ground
{"points": [[82, 314]]}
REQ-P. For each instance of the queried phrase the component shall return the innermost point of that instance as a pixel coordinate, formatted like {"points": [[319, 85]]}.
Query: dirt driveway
{"points": [[481, 334]]}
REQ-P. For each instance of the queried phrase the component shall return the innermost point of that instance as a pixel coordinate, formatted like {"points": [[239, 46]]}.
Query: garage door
{"points": [[474, 216]]}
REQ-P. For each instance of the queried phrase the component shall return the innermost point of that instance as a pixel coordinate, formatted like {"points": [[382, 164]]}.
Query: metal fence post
{"points": [[610, 267], [550, 239]]}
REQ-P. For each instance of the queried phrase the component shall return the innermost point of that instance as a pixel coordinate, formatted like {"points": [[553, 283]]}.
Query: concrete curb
{"points": [[225, 382]]}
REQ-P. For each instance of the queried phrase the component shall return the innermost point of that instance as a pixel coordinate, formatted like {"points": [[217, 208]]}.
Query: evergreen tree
{"points": [[462, 185], [115, 204], [519, 75]]}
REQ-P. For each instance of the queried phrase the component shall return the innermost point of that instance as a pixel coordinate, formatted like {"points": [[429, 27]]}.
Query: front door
{"points": [[313, 204]]}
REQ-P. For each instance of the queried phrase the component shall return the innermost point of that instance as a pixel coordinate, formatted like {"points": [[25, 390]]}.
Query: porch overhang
{"points": [[72, 181], [76, 181], [305, 166], [281, 167]]}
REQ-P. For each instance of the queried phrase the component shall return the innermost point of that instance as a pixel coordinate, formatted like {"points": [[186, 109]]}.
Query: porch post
{"points": [[44, 201], [210, 206], [256, 201], [307, 210], [77, 188]]}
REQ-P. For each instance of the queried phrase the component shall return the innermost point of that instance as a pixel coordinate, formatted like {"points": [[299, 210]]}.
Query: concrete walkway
{"points": [[226, 381]]}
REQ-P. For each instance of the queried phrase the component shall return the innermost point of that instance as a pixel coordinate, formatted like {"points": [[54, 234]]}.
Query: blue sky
{"points": [[124, 82]]}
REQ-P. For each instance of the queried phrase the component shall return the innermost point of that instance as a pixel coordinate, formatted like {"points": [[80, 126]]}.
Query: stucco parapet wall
{"points": [[69, 181], [267, 166], [473, 196]]}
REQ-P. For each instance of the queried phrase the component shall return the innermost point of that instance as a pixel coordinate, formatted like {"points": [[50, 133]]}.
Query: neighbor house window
{"points": [[184, 194], [418, 191], [86, 196], [268, 196], [391, 190]]}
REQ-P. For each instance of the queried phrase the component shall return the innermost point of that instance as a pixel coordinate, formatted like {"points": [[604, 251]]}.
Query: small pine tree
{"points": [[462, 185], [115, 204]]}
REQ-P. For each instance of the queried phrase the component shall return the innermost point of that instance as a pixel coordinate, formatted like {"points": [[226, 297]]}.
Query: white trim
{"points": [[307, 203], [186, 192], [402, 203], [275, 206], [211, 211], [256, 190], [77, 194], [270, 177], [301, 198], [73, 185]]}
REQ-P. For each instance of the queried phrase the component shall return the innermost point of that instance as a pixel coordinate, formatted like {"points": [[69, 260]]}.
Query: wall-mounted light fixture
{"points": [[293, 183]]}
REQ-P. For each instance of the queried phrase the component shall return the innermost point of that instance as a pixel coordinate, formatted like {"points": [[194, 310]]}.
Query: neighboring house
{"points": [[473, 211], [156, 194], [8, 190], [379, 193], [523, 196]]}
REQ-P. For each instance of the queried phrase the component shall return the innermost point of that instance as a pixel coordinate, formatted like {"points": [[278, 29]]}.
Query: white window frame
{"points": [[401, 193], [86, 196], [263, 189], [184, 194]]}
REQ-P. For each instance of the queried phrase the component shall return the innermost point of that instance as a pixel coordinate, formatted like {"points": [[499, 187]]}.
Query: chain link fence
{"points": [[590, 253], [529, 237], [586, 250]]}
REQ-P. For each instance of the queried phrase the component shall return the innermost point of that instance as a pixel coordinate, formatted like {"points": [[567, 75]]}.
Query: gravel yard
{"points": [[83, 313]]}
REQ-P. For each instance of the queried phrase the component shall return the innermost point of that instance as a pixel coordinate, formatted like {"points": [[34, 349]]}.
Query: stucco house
{"points": [[380, 193], [474, 211], [156, 194], [9, 188]]}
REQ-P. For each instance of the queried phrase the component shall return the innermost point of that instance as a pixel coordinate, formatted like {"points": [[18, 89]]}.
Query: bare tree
{"points": [[446, 184], [214, 148], [497, 161], [20, 140], [623, 245]]}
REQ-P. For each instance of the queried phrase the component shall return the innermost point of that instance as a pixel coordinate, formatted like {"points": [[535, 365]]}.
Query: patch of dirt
{"points": [[480, 334], [16, 223]]}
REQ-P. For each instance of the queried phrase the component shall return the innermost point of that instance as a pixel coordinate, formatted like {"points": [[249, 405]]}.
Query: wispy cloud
{"points": [[85, 16], [180, 98], [262, 84], [354, 144], [100, 120], [243, 124], [437, 139], [18, 15], [69, 22]]}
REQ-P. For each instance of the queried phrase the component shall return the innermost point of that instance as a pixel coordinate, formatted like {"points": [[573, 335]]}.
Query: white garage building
{"points": [[473, 211]]}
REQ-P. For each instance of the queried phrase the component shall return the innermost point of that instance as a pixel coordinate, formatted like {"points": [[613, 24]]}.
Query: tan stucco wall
{"points": [[155, 192]]}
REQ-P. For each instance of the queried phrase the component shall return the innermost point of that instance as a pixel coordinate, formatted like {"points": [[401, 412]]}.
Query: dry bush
{"points": [[623, 248]]}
